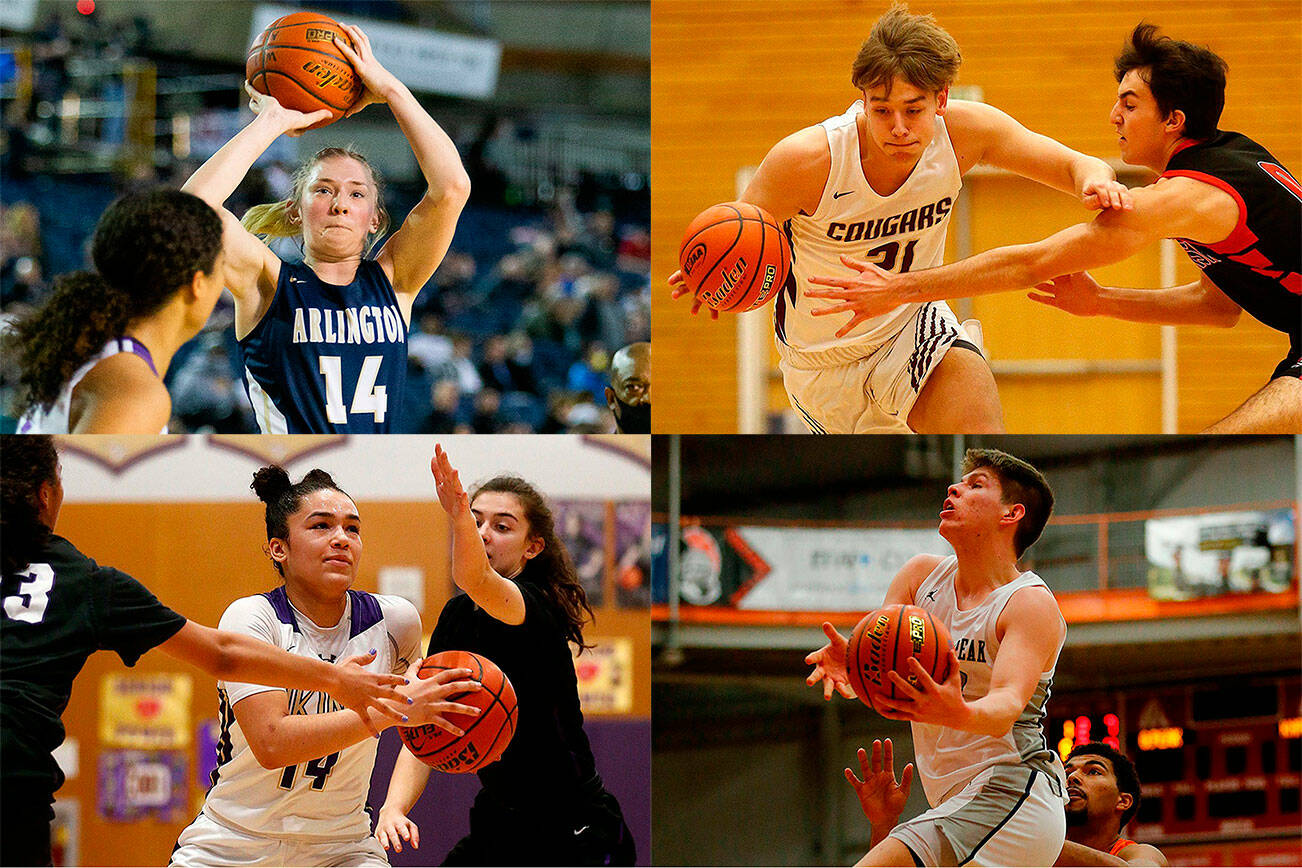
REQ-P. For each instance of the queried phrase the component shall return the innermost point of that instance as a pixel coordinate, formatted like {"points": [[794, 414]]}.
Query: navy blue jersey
{"points": [[1258, 265], [327, 359]]}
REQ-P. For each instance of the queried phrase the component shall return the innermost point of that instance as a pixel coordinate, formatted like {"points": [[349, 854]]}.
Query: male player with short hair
{"points": [[996, 787], [878, 184], [1230, 204], [1102, 788]]}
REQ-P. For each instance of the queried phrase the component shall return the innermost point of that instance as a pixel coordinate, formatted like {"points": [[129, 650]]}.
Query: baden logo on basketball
{"points": [[732, 275]]}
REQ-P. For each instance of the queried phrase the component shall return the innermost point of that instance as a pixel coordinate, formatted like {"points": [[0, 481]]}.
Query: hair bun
{"points": [[318, 478], [270, 482]]}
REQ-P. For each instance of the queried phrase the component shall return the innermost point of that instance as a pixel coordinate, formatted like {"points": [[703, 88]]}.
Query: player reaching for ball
{"points": [[543, 802], [878, 184], [325, 342], [995, 786], [93, 357], [293, 768], [60, 607], [1230, 204]]}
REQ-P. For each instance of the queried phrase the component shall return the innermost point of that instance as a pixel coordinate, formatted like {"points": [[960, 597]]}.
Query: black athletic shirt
{"points": [[549, 757], [60, 610], [1259, 265]]}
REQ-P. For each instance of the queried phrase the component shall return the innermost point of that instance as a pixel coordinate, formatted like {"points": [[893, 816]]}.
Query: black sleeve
{"points": [[539, 618], [443, 637], [128, 618]]}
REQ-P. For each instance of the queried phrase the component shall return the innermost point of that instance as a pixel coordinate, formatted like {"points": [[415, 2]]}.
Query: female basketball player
{"points": [[293, 769], [60, 607], [543, 802], [325, 342], [94, 355]]}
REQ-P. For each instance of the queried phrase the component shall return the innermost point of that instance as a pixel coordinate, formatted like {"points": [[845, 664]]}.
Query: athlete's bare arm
{"points": [[412, 253], [279, 738], [233, 656], [829, 661], [252, 270], [1170, 208], [1134, 854], [788, 182], [1197, 303], [406, 784], [983, 134], [1031, 628], [498, 596], [120, 395]]}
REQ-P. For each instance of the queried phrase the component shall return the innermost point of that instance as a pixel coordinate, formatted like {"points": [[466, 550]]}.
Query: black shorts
{"points": [[591, 831], [1290, 367], [26, 830]]}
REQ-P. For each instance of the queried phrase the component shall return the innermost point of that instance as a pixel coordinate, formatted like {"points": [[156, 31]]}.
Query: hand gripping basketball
{"points": [[376, 80], [429, 694], [292, 123]]}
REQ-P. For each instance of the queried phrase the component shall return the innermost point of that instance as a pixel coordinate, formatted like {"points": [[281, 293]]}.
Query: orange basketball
{"points": [[486, 735], [296, 61], [734, 256], [884, 640]]}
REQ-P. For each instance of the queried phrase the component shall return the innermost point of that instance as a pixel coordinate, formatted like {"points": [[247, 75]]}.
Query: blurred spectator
{"points": [[444, 418], [629, 394]]}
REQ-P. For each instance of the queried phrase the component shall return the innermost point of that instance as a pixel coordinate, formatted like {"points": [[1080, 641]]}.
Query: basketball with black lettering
{"points": [[296, 61], [734, 257], [486, 735], [884, 640]]}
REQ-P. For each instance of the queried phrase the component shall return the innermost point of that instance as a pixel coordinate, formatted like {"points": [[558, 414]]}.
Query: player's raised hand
{"points": [[392, 827], [1104, 193], [360, 691], [829, 665], [447, 483], [430, 697], [1076, 293], [881, 796], [869, 293], [925, 701], [678, 287], [376, 80], [292, 123]]}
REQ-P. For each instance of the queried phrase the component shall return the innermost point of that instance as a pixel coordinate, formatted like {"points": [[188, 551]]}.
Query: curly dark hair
{"points": [[553, 563], [272, 486], [1181, 76], [27, 462], [146, 247]]}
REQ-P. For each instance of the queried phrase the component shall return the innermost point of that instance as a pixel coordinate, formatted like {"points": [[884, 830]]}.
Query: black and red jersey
{"points": [[1259, 266]]}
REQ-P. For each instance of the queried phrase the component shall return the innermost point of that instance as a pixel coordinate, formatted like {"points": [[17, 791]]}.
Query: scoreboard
{"points": [[1215, 760]]}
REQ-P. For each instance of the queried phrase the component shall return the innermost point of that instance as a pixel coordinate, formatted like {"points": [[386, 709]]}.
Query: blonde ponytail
{"points": [[271, 220]]}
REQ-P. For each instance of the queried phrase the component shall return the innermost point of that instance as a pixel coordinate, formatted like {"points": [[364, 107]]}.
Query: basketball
{"points": [[884, 640], [734, 256], [486, 735], [296, 61]]}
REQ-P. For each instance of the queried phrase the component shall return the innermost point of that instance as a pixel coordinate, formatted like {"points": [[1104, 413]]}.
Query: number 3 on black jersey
{"points": [[367, 397], [33, 595]]}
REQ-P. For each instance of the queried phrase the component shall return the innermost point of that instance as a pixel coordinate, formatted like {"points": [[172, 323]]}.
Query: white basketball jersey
{"points": [[323, 799], [948, 759], [904, 231], [38, 420]]}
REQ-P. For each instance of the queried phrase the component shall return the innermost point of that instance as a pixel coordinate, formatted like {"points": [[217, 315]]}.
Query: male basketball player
{"points": [[1232, 206], [1102, 788], [995, 786], [1103, 794], [878, 184]]}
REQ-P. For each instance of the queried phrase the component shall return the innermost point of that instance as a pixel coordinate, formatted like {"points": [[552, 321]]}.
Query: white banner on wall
{"points": [[422, 59], [1219, 553], [833, 569]]}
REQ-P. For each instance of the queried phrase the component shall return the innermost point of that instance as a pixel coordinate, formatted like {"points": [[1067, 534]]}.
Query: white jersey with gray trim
{"points": [[948, 759], [322, 799], [904, 231]]}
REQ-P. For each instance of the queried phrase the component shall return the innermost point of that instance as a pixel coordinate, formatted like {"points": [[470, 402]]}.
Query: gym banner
{"points": [[1220, 553], [797, 569], [148, 712]]}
